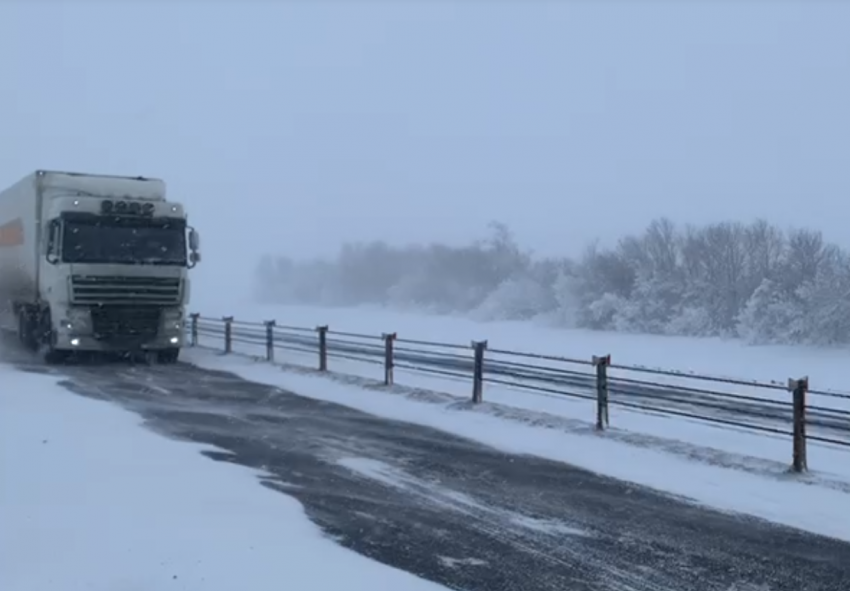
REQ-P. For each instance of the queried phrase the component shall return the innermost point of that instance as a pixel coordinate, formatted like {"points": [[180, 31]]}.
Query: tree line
{"points": [[755, 281]]}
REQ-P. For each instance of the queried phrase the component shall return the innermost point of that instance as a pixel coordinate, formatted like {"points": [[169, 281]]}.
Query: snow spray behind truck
{"points": [[95, 263]]}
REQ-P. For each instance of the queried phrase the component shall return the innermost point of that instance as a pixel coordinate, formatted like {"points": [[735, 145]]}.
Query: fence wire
{"points": [[692, 396]]}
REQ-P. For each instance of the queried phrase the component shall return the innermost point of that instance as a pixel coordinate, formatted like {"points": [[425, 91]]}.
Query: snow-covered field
{"points": [[92, 501]]}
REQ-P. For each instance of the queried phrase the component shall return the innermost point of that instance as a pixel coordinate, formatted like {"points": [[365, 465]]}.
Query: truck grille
{"points": [[135, 324], [106, 290]]}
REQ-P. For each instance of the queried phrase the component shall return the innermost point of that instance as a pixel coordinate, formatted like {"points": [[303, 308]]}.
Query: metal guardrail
{"points": [[791, 409]]}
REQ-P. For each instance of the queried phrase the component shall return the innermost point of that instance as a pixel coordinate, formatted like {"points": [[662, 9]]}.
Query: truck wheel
{"points": [[26, 333], [167, 356]]}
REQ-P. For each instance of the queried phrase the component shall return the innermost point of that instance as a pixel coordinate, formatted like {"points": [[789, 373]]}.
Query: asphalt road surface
{"points": [[459, 513]]}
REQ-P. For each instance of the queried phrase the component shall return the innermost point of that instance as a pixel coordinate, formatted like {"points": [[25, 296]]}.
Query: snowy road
{"points": [[457, 512]]}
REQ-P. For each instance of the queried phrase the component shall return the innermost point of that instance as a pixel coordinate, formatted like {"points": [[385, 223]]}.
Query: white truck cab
{"points": [[98, 263]]}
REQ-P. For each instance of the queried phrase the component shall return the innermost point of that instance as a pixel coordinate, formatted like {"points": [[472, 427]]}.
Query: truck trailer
{"points": [[94, 262]]}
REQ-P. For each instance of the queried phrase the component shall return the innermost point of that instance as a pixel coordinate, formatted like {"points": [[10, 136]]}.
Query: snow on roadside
{"points": [[90, 500], [698, 440], [789, 502]]}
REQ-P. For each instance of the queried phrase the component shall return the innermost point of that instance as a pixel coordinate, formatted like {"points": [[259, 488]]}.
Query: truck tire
{"points": [[26, 331], [168, 356], [44, 340]]}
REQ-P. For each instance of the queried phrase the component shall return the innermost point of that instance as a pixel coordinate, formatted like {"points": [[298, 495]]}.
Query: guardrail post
{"points": [[478, 371], [798, 389], [270, 324], [228, 334], [193, 329], [389, 338], [323, 347], [601, 364]]}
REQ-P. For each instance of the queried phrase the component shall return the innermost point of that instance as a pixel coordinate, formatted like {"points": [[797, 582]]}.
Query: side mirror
{"points": [[194, 258], [52, 251], [194, 240]]}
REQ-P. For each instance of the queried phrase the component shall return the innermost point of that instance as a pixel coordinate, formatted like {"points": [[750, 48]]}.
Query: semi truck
{"points": [[92, 262]]}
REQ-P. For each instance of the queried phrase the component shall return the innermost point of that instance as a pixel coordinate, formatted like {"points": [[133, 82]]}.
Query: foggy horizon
{"points": [[291, 128]]}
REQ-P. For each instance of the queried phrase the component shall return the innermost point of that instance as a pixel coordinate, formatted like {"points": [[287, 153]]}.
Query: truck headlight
{"points": [[172, 319]]}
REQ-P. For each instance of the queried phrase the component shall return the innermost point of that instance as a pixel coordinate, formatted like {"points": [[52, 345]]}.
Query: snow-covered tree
{"points": [[750, 280], [824, 317], [516, 298], [769, 316]]}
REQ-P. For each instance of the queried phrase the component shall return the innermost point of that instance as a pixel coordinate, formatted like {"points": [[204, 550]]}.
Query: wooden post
{"points": [[228, 334], [270, 324], [193, 329], [323, 347], [799, 389], [389, 339], [478, 371], [601, 364]]}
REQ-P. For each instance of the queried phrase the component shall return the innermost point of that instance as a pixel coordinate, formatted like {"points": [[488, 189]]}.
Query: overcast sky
{"points": [[294, 126]]}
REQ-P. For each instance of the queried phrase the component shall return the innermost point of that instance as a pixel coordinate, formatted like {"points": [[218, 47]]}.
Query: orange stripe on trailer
{"points": [[12, 233]]}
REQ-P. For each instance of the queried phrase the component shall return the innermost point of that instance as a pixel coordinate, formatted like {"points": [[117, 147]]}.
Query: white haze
{"points": [[291, 127]]}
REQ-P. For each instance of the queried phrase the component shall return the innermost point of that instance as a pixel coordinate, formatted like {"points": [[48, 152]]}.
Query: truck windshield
{"points": [[140, 241]]}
